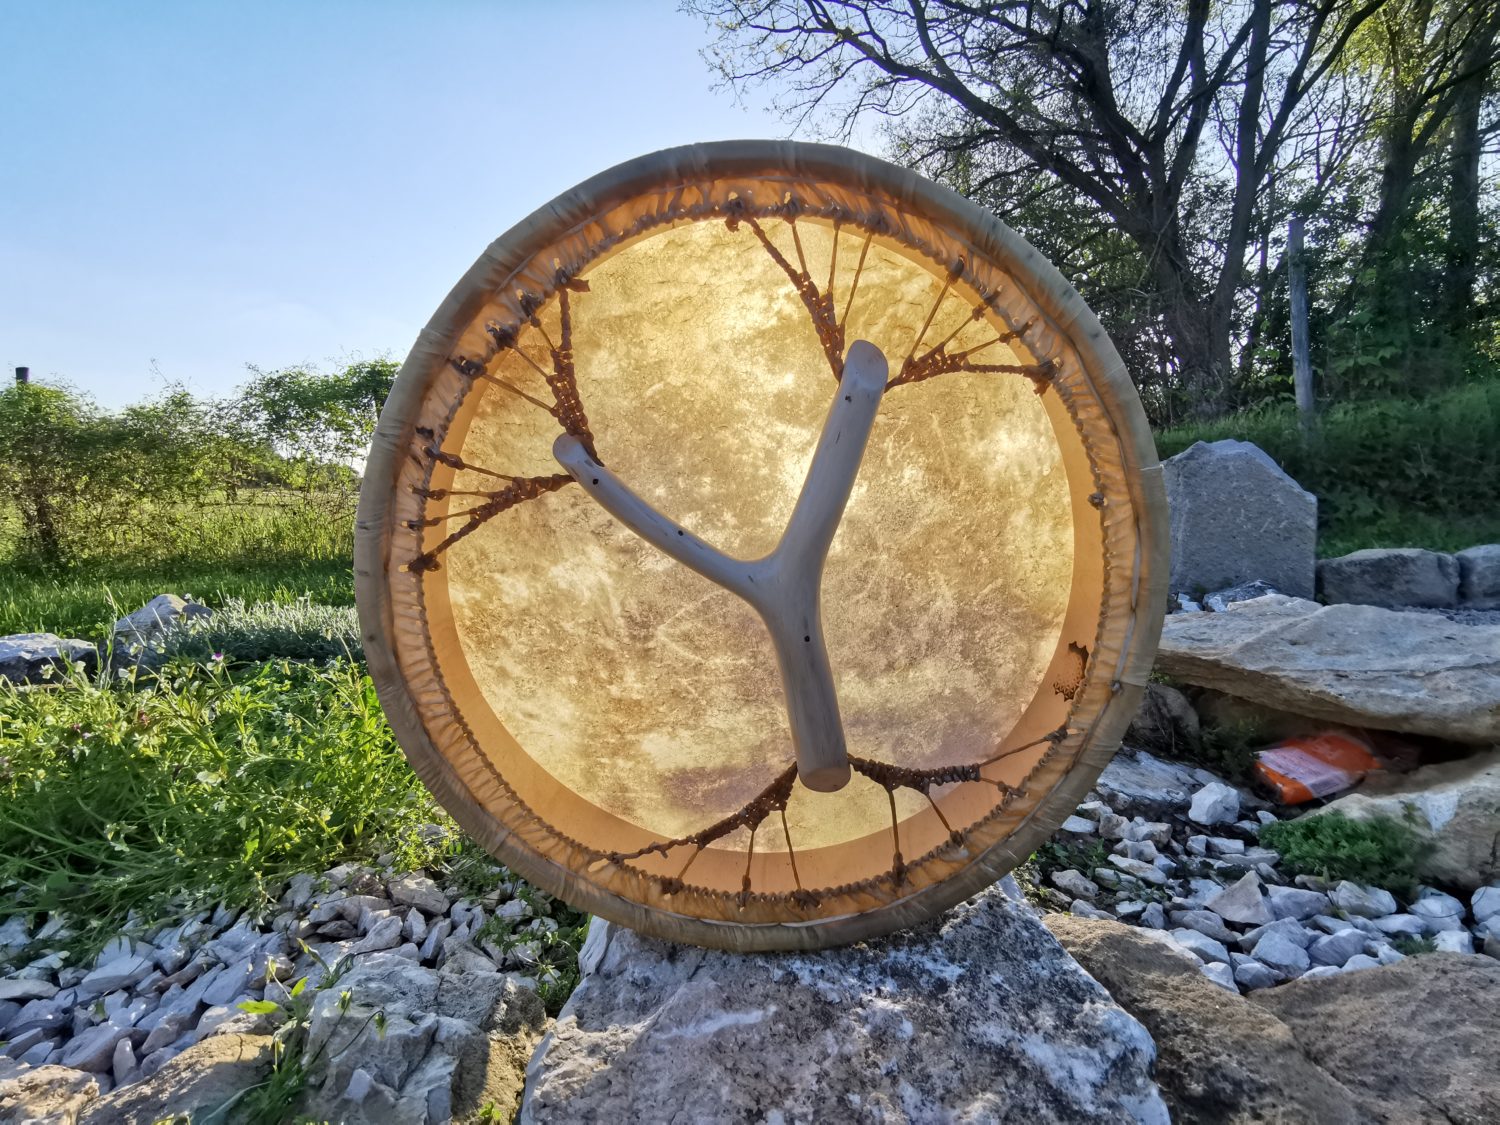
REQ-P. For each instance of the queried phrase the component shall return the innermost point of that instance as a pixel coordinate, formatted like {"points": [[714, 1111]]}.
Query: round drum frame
{"points": [[1087, 375]]}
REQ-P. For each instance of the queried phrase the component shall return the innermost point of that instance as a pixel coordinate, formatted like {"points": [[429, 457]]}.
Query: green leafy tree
{"points": [[47, 437], [322, 422]]}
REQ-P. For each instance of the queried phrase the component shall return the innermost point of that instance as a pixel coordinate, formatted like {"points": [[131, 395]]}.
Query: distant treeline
{"points": [[75, 478]]}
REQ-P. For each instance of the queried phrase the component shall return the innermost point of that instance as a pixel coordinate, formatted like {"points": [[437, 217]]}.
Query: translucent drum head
{"points": [[622, 726]]}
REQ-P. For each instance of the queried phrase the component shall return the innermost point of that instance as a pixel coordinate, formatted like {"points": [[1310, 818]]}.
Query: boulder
{"points": [[1454, 806], [1414, 1042], [1352, 664], [978, 1015], [1165, 724], [1219, 1059], [1235, 517], [1390, 576], [190, 1085], [1479, 577], [44, 1093], [26, 657], [1136, 783], [148, 625]]}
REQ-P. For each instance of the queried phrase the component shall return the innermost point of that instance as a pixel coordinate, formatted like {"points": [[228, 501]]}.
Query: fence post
{"points": [[1301, 353]]}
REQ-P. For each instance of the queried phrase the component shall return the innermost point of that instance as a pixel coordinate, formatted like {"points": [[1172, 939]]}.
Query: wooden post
{"points": [[1301, 353], [23, 375]]}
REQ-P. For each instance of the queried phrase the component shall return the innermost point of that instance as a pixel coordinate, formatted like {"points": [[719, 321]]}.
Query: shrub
{"points": [[1379, 852], [240, 632]]}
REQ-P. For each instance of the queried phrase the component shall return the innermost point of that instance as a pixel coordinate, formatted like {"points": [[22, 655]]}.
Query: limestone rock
{"points": [[449, 1042], [163, 613], [1241, 902], [1363, 902], [191, 1084], [1415, 1042], [1353, 664], [1166, 723], [1454, 805], [43, 1093], [1136, 782], [1235, 516], [1220, 600], [421, 892], [1479, 577], [1220, 1059], [1393, 576], [659, 1032], [1215, 803], [24, 657]]}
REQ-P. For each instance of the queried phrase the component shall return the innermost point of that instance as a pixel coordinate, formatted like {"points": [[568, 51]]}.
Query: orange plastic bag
{"points": [[1316, 765]]}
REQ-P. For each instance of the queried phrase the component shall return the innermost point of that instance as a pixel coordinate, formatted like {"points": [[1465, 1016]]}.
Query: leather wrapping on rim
{"points": [[1134, 532]]}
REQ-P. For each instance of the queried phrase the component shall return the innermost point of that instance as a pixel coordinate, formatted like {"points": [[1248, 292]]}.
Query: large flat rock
{"points": [[979, 1016], [1355, 664]]}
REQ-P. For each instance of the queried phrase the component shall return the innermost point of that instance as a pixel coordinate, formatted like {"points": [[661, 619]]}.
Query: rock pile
{"points": [[1176, 851], [1410, 576], [145, 1001]]}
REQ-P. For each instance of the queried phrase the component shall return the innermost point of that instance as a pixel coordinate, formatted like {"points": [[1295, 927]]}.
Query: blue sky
{"points": [[189, 188]]}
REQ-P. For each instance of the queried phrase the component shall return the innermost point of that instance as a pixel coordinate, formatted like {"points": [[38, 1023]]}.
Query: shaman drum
{"points": [[761, 547]]}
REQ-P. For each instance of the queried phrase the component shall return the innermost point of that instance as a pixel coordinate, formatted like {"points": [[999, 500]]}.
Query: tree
{"points": [[322, 421], [76, 473], [1165, 120]]}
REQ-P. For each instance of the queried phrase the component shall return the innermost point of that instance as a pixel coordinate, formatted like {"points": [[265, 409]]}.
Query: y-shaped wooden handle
{"points": [[784, 587]]}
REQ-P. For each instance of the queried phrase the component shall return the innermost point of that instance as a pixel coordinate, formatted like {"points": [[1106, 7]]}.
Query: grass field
{"points": [[276, 547]]}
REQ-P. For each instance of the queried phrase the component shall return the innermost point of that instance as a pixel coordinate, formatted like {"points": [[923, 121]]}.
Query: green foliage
{"points": [[318, 419], [1059, 855], [1228, 749], [556, 950], [1413, 946], [1379, 852], [197, 786], [278, 548], [1390, 472], [271, 1102], [239, 632], [71, 469]]}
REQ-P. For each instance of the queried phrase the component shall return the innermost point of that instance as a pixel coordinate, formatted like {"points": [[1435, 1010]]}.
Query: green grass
{"points": [[1389, 472], [200, 786], [87, 602], [1379, 852], [272, 547]]}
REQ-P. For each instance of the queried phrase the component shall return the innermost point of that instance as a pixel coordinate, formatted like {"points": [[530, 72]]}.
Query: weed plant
{"points": [[1379, 852], [556, 950], [146, 799]]}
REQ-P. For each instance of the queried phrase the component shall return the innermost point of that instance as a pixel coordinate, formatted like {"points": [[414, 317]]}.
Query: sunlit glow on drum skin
{"points": [[654, 693]]}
